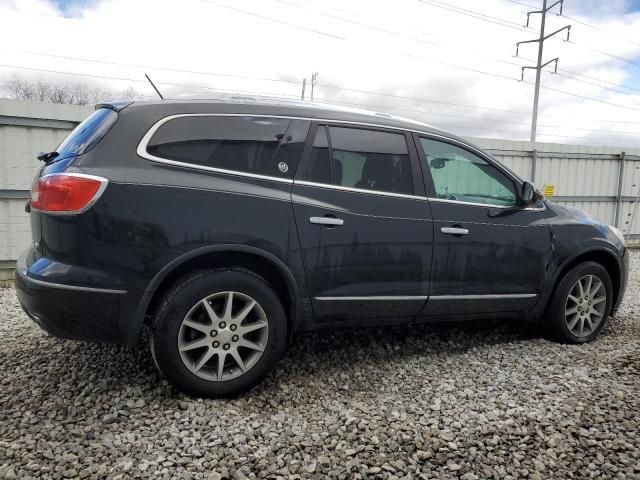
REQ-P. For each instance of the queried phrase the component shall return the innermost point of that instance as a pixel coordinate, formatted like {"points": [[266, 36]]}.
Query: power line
{"points": [[503, 23], [523, 4], [296, 82], [335, 87], [275, 20], [598, 80], [585, 97], [560, 69], [174, 84], [430, 42], [526, 82], [620, 58], [590, 83], [429, 100], [595, 79], [333, 101], [166, 69], [420, 99], [366, 25], [606, 32], [474, 14], [468, 117], [460, 10], [593, 27]]}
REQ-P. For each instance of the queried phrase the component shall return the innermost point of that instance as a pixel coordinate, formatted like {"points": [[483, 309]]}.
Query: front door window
{"points": [[460, 175]]}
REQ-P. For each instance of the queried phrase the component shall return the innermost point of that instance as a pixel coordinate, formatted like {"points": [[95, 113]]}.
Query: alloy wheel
{"points": [[223, 336], [585, 306]]}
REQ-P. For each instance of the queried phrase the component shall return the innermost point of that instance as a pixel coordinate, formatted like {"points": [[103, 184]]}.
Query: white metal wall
{"points": [[26, 128], [584, 177]]}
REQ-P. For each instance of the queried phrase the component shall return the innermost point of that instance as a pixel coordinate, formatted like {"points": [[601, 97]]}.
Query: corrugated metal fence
{"points": [[26, 128], [603, 181], [598, 180]]}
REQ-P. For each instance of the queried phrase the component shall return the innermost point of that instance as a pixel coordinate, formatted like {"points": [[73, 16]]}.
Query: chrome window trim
{"points": [[489, 296], [376, 298], [141, 150], [144, 143], [358, 190], [103, 186]]}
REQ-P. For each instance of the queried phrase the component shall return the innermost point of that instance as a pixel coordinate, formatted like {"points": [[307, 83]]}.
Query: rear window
{"points": [[258, 145], [87, 135], [361, 158]]}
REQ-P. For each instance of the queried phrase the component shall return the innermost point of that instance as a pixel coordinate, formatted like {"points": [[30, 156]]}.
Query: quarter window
{"points": [[257, 145], [360, 158], [460, 175]]}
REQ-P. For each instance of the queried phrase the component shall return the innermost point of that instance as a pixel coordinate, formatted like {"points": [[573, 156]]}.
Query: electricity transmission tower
{"points": [[539, 66], [314, 80]]}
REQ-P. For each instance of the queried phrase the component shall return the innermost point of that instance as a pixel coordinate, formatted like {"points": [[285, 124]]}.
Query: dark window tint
{"points": [[258, 145], [86, 135], [359, 158], [319, 166]]}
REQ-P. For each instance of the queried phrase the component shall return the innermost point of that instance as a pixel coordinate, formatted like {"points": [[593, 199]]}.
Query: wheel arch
{"points": [[259, 261], [599, 255]]}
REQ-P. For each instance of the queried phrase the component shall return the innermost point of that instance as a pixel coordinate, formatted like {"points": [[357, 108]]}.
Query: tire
{"points": [[182, 337], [566, 328]]}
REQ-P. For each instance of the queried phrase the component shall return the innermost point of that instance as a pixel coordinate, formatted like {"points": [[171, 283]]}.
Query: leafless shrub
{"points": [[68, 93]]}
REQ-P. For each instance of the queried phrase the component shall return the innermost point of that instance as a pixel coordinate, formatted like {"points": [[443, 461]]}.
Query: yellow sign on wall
{"points": [[549, 190]]}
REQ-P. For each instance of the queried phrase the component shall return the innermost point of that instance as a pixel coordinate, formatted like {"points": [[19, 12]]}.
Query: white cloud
{"points": [[357, 44]]}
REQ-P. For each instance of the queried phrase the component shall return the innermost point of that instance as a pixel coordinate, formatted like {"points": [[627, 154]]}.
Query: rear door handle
{"points": [[332, 221], [454, 231]]}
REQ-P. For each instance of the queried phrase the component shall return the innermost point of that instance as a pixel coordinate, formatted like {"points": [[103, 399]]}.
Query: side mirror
{"points": [[438, 163], [529, 194]]}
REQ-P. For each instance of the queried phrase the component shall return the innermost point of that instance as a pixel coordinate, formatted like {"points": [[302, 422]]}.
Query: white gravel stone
{"points": [[478, 400]]}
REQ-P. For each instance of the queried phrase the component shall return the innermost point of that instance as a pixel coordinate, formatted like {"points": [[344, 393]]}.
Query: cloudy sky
{"points": [[449, 63]]}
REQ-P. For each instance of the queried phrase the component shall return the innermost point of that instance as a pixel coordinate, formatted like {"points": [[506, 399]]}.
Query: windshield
{"points": [[86, 135]]}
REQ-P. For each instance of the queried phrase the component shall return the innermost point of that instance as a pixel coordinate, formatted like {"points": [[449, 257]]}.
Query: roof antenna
{"points": [[154, 87]]}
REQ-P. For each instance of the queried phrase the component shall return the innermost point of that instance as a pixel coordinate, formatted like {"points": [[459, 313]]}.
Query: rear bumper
{"points": [[69, 311]]}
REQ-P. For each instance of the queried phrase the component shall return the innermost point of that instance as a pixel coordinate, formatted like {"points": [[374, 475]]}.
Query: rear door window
{"points": [[268, 146], [87, 135], [361, 158]]}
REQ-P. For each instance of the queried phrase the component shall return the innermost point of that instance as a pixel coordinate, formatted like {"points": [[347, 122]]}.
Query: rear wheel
{"points": [[581, 304], [218, 332]]}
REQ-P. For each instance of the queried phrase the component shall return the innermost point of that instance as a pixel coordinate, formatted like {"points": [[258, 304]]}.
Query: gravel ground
{"points": [[482, 400]]}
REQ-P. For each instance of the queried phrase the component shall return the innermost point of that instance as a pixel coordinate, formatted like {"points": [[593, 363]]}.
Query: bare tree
{"points": [[21, 90], [42, 91], [74, 93]]}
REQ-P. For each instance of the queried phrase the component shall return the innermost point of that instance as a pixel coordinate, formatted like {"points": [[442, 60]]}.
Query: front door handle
{"points": [[331, 221], [454, 231]]}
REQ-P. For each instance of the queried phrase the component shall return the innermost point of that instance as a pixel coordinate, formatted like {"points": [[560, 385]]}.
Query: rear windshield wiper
{"points": [[47, 157]]}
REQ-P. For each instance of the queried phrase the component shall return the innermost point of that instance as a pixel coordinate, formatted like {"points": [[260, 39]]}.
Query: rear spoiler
{"points": [[115, 106]]}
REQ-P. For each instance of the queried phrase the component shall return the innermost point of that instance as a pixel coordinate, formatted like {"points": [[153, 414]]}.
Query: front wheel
{"points": [[581, 303], [218, 332]]}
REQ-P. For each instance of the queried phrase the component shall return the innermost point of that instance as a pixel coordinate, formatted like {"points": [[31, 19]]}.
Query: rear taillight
{"points": [[66, 192]]}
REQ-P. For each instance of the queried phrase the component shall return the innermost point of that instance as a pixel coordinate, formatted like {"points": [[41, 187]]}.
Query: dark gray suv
{"points": [[228, 227]]}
